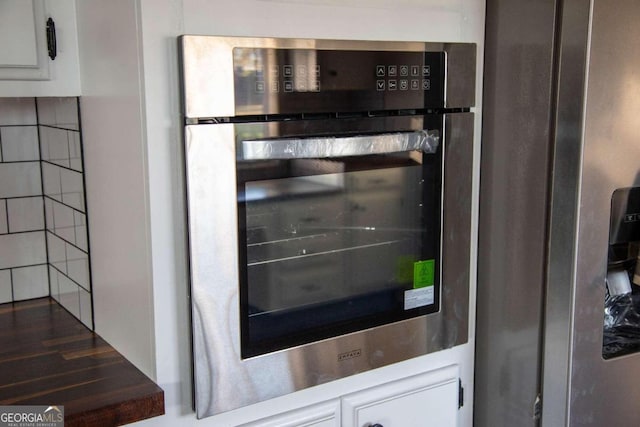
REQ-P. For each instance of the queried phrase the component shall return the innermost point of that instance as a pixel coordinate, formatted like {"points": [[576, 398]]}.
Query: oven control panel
{"points": [[290, 81]]}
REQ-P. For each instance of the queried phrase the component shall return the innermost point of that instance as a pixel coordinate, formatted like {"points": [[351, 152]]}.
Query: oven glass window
{"points": [[332, 246]]}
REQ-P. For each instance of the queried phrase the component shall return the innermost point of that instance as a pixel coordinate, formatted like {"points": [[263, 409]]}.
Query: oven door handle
{"points": [[326, 146]]}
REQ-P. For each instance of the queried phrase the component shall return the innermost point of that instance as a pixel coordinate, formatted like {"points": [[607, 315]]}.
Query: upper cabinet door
{"points": [[23, 41], [26, 70]]}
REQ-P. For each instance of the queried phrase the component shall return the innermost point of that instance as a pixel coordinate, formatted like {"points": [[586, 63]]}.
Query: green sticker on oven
{"points": [[423, 273], [404, 269]]}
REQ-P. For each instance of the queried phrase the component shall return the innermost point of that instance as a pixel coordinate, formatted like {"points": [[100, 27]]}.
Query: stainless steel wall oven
{"points": [[328, 187]]}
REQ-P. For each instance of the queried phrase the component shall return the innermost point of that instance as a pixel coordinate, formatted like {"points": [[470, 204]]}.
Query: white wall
{"points": [[114, 136], [162, 21]]}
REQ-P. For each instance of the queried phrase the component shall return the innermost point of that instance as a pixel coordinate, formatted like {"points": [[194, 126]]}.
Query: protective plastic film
{"points": [[328, 146]]}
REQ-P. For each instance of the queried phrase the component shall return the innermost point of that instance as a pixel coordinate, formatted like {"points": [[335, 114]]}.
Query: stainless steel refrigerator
{"points": [[560, 159]]}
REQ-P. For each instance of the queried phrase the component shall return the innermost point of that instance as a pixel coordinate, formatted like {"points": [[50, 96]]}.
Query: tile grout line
{"points": [[84, 251], [44, 208], [6, 212], [86, 212], [49, 162], [54, 127], [63, 204], [67, 276], [13, 297], [6, 215]]}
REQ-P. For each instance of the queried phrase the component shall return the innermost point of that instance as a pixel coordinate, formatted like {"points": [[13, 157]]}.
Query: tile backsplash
{"points": [[44, 247], [23, 251]]}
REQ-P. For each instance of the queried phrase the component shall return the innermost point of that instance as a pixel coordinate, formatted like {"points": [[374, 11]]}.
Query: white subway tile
{"points": [[57, 252], [19, 143], [60, 112], [55, 145], [80, 222], [17, 250], [69, 297], [78, 267], [17, 111], [86, 312], [63, 222], [75, 151], [67, 113], [51, 181], [30, 282], [5, 286], [53, 283], [4, 227], [20, 179], [72, 189], [46, 111], [48, 212], [25, 214]]}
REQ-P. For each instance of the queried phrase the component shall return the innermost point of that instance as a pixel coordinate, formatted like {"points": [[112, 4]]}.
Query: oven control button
{"points": [[260, 87], [404, 70], [415, 70], [288, 86], [393, 84], [415, 85], [426, 84], [380, 70], [404, 84], [426, 70], [380, 85], [287, 70], [393, 70]]}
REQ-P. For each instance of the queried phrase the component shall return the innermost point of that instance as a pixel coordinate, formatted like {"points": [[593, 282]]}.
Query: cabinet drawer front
{"points": [[326, 414]]}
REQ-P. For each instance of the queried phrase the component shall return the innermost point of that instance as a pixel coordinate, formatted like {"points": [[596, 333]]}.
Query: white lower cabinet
{"points": [[325, 414], [425, 400]]}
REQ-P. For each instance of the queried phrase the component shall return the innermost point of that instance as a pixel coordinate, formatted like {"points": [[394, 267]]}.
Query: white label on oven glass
{"points": [[420, 297]]}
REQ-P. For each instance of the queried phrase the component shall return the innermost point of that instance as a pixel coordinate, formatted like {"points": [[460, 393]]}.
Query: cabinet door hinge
{"points": [[460, 394], [537, 408], [51, 39]]}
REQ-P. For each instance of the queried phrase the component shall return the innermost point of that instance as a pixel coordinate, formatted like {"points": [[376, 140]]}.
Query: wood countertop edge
{"points": [[120, 413], [36, 368]]}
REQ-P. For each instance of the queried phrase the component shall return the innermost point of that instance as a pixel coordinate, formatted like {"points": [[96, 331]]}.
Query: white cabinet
{"points": [[425, 400], [26, 68], [325, 414], [23, 44]]}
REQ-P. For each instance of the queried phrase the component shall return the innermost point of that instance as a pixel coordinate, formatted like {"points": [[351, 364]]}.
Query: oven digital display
{"points": [[289, 81]]}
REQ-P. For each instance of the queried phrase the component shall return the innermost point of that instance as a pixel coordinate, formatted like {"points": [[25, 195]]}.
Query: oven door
{"points": [[336, 234], [358, 272]]}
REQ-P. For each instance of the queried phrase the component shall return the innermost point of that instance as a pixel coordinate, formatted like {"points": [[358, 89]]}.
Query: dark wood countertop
{"points": [[47, 357]]}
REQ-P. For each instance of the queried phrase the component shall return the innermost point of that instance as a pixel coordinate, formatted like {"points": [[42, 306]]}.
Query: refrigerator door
{"points": [[597, 152]]}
